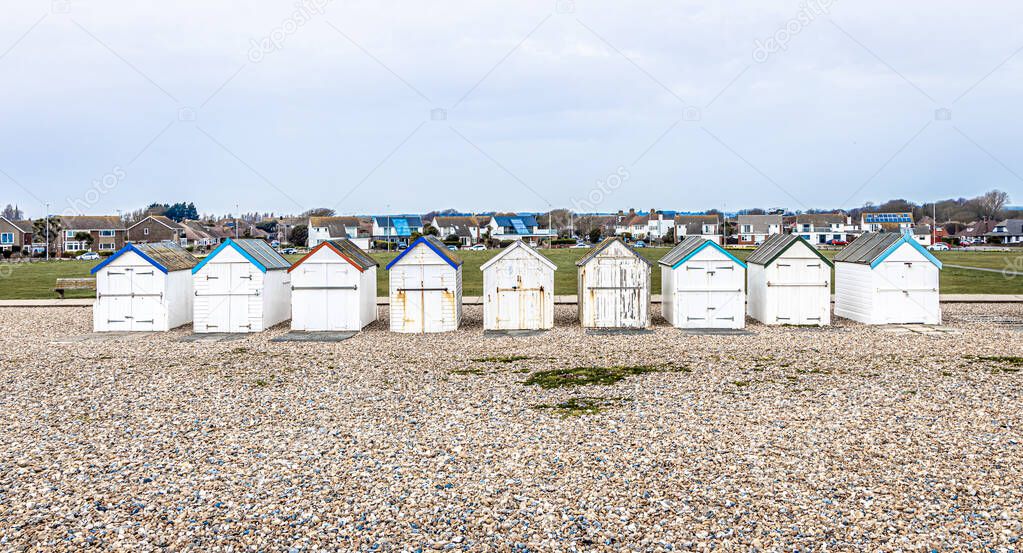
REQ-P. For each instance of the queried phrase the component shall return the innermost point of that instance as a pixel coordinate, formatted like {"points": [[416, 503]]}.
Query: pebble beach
{"points": [[846, 437]]}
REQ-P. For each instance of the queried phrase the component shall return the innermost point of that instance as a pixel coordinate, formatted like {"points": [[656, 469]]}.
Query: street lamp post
{"points": [[47, 232]]}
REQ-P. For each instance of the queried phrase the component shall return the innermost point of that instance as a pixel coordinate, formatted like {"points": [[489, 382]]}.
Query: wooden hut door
{"points": [[146, 297], [342, 298], [905, 289], [617, 294], [411, 295], [797, 291], [116, 298], [519, 296]]}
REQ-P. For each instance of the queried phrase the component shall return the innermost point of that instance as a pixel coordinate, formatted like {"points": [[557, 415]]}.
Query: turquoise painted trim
{"points": [[128, 248], [906, 239], [231, 243], [425, 242], [704, 245]]}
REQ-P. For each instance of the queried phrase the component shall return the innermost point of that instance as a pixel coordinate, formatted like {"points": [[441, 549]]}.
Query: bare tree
{"points": [[12, 213], [991, 204]]}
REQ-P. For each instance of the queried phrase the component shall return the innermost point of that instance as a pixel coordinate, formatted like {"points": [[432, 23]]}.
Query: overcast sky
{"points": [[378, 106]]}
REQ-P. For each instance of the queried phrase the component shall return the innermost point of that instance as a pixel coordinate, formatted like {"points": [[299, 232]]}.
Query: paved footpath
{"points": [[1005, 272], [560, 300]]}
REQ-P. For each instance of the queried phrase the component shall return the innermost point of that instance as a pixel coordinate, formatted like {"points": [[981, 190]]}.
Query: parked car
{"points": [[289, 251], [939, 247], [453, 248], [478, 248], [640, 244], [88, 256], [837, 243], [580, 245]]}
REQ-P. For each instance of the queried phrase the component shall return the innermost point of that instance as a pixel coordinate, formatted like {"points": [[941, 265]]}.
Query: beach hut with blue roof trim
{"points": [[703, 286], [242, 286], [887, 278], [144, 288], [425, 288]]}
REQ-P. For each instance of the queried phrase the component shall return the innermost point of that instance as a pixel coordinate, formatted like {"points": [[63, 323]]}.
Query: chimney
{"points": [[632, 212]]}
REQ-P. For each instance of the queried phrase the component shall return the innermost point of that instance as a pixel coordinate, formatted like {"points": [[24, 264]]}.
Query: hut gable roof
{"points": [[434, 244], [778, 244], [344, 248], [691, 246], [606, 244], [519, 245], [873, 247], [258, 252], [166, 256]]}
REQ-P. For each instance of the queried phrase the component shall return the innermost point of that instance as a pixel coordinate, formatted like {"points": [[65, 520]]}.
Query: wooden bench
{"points": [[65, 284]]}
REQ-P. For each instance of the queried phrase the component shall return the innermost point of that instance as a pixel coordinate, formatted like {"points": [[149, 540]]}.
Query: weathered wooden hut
{"points": [[242, 286], [887, 278], [703, 286], [614, 287], [334, 288], [425, 288], [518, 290], [788, 282], [144, 287]]}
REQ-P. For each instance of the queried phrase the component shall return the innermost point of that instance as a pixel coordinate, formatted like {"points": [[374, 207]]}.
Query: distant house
{"points": [[517, 227], [326, 229], [652, 225], [923, 234], [466, 228], [821, 228], [976, 232], [105, 233], [198, 236], [154, 229], [1009, 231], [886, 222], [396, 228], [704, 226], [15, 236], [755, 229]]}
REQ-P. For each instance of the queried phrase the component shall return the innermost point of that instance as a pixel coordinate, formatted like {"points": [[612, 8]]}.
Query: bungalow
{"points": [[755, 229], [705, 226], [198, 236], [886, 222], [397, 228], [517, 227], [326, 229], [466, 228], [15, 236], [822, 228], [155, 229], [976, 232], [652, 225], [1009, 231], [104, 233]]}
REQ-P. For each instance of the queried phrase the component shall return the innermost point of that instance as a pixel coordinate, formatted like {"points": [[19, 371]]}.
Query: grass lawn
{"points": [[35, 280]]}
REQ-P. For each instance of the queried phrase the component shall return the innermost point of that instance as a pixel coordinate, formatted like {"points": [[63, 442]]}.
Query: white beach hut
{"points": [[425, 288], [789, 282], [144, 287], [242, 286], [614, 287], [518, 290], [887, 278], [333, 288], [703, 286]]}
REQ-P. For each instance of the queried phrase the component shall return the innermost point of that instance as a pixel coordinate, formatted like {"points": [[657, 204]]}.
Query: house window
{"points": [[106, 246], [69, 234], [109, 233], [7, 238], [71, 246], [747, 228]]}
